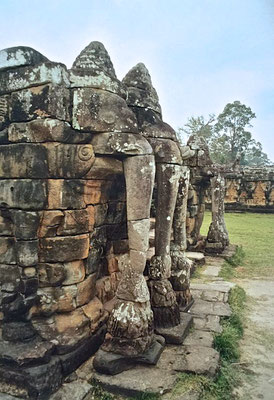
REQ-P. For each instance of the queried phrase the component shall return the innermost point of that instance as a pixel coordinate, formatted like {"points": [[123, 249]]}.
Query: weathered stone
{"points": [[26, 224], [25, 354], [178, 333], [6, 223], [50, 222], [4, 117], [45, 130], [144, 168], [13, 57], [199, 338], [138, 231], [18, 331], [141, 93], [137, 381], [129, 328], [120, 143], [64, 248], [74, 222], [27, 252], [28, 286], [112, 364], [93, 310], [133, 287], [72, 390], [208, 323], [74, 272], [40, 102], [99, 111], [30, 76], [199, 360], [69, 193], [39, 381], [68, 160], [29, 272], [7, 250], [51, 274], [202, 307], [86, 290], [104, 168], [166, 151], [26, 194]]}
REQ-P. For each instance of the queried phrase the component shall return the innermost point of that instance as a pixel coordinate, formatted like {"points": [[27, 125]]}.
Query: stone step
{"points": [[203, 307], [196, 257]]}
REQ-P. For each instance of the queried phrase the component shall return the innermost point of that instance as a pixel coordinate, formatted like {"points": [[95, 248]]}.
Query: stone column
{"points": [[217, 238], [163, 300], [181, 265], [130, 336]]}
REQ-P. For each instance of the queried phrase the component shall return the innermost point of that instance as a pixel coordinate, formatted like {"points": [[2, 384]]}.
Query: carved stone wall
{"points": [[63, 227], [251, 189]]}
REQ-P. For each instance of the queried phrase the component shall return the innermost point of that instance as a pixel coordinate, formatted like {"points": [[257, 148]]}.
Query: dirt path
{"points": [[257, 345]]}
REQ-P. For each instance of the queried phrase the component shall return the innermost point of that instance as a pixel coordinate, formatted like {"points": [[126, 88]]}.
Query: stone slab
{"points": [[219, 286], [209, 323], [77, 390], [177, 334], [139, 380], [199, 338], [197, 257], [212, 270], [203, 307]]}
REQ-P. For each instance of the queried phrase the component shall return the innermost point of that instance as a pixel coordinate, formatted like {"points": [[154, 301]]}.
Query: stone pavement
{"points": [[195, 355]]}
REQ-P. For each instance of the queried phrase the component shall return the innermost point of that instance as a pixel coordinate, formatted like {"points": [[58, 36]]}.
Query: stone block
{"points": [[4, 111], [74, 222], [100, 214], [93, 310], [50, 222], [40, 102], [76, 194], [100, 111], [74, 272], [199, 338], [73, 390], [10, 277], [96, 79], [24, 354], [23, 161], [26, 224], [115, 143], [86, 290], [68, 160], [105, 168], [24, 194], [45, 130], [64, 248], [7, 250], [15, 79], [17, 331], [6, 223], [27, 253], [116, 213], [51, 274]]}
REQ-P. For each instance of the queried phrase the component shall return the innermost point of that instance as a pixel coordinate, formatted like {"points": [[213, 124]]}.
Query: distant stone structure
{"points": [[250, 189], [80, 153]]}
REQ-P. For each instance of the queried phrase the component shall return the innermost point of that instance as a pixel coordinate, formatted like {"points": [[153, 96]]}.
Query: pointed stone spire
{"points": [[141, 92], [95, 57]]}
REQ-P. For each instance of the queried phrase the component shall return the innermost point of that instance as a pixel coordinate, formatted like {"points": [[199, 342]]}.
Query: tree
{"points": [[228, 139]]}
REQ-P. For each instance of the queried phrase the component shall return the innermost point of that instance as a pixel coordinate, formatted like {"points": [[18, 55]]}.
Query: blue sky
{"points": [[201, 54]]}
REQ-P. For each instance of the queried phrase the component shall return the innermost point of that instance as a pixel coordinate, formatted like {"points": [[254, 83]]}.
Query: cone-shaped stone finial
{"points": [[95, 57], [139, 77], [140, 89]]}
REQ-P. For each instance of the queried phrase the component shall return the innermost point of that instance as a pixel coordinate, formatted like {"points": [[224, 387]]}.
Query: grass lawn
{"points": [[255, 233]]}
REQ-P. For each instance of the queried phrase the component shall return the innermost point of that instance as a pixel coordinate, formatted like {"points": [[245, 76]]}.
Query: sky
{"points": [[201, 54]]}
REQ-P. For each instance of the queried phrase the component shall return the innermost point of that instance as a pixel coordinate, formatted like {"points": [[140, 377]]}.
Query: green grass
{"points": [[255, 233]]}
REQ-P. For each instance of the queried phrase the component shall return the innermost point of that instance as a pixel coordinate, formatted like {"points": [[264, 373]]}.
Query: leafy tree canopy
{"points": [[227, 135]]}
